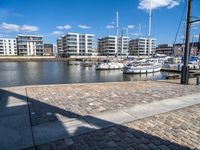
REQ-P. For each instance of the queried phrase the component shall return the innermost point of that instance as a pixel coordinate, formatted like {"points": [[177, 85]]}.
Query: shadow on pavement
{"points": [[53, 128]]}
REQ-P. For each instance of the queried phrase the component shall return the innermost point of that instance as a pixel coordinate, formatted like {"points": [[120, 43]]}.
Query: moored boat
{"points": [[106, 65], [141, 68]]}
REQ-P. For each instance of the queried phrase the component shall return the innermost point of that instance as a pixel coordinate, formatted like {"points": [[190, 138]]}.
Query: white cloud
{"points": [[57, 33], [196, 36], [196, 23], [110, 27], [154, 4], [131, 26], [84, 27], [67, 26], [29, 28], [60, 27], [9, 27], [6, 27]]}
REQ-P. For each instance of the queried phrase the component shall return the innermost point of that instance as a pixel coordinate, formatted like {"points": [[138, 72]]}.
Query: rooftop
{"points": [[26, 35]]}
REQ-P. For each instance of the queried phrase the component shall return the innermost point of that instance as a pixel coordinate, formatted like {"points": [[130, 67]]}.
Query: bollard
{"points": [[198, 80]]}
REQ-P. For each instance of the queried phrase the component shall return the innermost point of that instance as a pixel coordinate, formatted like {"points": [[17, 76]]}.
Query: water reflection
{"points": [[32, 73], [149, 76]]}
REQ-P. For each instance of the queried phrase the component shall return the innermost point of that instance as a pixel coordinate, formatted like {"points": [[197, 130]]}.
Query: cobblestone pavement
{"points": [[174, 130], [48, 102]]}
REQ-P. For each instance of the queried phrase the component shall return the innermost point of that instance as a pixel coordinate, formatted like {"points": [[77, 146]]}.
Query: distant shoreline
{"points": [[27, 58], [50, 58]]}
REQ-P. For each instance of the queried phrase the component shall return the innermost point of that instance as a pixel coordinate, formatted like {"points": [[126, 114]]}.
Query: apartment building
{"points": [[55, 50], [166, 49], [195, 46], [30, 45], [8, 47], [59, 46], [142, 46], [123, 45], [178, 49], [76, 44], [112, 46], [48, 49]]}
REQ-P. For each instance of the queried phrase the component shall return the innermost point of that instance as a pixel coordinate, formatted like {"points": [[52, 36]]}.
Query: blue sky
{"points": [[51, 18]]}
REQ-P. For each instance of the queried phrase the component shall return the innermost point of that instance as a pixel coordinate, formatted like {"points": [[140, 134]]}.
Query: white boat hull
{"points": [[135, 70], [109, 66]]}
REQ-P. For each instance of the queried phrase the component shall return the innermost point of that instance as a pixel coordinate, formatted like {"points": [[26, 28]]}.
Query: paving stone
{"points": [[163, 147], [85, 99], [111, 144], [147, 133], [69, 141], [177, 129]]}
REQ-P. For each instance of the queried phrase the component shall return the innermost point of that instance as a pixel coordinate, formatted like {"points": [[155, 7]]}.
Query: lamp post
{"points": [[185, 67]]}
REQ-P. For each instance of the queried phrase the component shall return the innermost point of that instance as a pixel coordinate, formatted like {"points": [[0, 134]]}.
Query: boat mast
{"points": [[127, 31], [150, 20], [117, 23], [139, 32], [122, 41], [117, 29]]}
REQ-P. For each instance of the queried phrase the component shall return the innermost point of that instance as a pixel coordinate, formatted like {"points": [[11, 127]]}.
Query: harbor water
{"points": [[61, 72]]}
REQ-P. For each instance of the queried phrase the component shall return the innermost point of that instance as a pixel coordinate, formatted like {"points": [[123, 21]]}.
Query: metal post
{"points": [[199, 46], [198, 80], [185, 68]]}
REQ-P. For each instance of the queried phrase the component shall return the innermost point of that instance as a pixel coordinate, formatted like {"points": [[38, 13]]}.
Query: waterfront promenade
{"points": [[122, 115]]}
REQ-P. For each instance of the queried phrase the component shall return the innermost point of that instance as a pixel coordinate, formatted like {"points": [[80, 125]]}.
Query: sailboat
{"points": [[142, 66], [107, 64], [146, 66]]}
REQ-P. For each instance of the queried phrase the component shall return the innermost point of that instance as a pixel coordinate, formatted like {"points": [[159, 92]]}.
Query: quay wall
{"points": [[54, 58]]}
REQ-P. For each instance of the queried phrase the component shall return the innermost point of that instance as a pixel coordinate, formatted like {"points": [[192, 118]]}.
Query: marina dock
{"points": [[192, 72]]}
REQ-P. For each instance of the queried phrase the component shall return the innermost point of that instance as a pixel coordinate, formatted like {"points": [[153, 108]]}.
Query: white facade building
{"points": [[55, 50], [76, 44], [59, 46], [30, 45], [8, 47], [142, 47], [111, 45]]}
